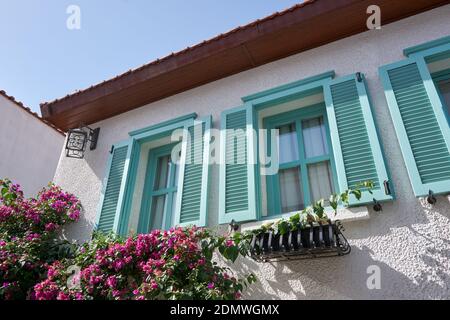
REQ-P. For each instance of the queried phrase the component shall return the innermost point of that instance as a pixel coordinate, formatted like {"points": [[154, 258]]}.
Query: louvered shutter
{"points": [[110, 206], [237, 194], [356, 146], [420, 125], [192, 197]]}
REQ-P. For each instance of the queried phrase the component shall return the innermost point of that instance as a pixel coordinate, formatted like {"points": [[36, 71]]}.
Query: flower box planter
{"points": [[313, 241]]}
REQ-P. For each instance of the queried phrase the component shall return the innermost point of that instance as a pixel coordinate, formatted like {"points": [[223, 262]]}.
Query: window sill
{"points": [[344, 215]]}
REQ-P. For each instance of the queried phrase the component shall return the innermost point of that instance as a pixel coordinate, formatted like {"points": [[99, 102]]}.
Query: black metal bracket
{"points": [[431, 199], [377, 206], [311, 241], [234, 226], [359, 77], [387, 187], [93, 138]]}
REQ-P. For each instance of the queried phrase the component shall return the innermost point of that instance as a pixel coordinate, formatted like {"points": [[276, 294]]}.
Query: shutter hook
{"points": [[387, 187], [377, 206], [431, 199], [234, 226], [359, 77]]}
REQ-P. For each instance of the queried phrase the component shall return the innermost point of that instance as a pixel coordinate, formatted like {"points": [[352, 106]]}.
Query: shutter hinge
{"points": [[112, 149], [387, 188], [359, 77]]}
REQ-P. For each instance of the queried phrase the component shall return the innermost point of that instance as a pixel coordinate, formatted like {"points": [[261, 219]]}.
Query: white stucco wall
{"points": [[30, 149], [409, 241]]}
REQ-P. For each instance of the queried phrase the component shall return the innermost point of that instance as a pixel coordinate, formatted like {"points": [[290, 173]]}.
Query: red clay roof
{"points": [[302, 27], [173, 54], [34, 114]]}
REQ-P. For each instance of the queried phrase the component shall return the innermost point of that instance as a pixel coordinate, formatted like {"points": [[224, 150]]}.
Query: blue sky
{"points": [[41, 59]]}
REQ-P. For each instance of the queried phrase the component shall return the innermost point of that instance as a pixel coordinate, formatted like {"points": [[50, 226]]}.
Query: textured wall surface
{"points": [[409, 241], [29, 149]]}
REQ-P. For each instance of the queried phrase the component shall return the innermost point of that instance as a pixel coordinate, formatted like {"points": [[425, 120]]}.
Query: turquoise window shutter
{"points": [[356, 145], [237, 194], [420, 124], [192, 196], [109, 217]]}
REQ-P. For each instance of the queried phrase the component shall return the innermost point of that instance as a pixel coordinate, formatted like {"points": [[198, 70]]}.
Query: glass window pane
{"points": [[314, 137], [177, 171], [291, 192], [157, 213], [288, 145], [445, 92], [162, 172], [320, 181], [172, 215]]}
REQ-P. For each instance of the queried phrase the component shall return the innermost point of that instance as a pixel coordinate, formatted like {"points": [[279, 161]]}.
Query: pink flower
{"points": [[116, 293], [201, 261], [79, 296], [154, 285], [32, 236], [5, 212], [176, 257], [211, 285], [58, 205], [62, 296], [51, 226], [229, 243], [111, 282], [74, 215]]}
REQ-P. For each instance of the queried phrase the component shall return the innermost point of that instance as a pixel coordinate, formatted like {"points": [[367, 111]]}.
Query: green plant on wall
{"points": [[174, 264], [315, 213]]}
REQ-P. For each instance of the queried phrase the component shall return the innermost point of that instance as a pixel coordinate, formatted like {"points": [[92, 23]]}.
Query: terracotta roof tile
{"points": [[187, 49], [34, 114]]}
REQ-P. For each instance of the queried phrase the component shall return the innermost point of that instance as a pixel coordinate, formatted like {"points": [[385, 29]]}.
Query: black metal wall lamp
{"points": [[77, 140]]}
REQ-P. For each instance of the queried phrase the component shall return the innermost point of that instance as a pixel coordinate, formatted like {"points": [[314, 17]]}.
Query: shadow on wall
{"points": [[346, 278], [412, 256], [83, 224]]}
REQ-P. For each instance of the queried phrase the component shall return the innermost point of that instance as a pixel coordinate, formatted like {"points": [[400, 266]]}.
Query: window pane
{"points": [[177, 171], [157, 213], [291, 193], [162, 172], [314, 137], [445, 92], [320, 181], [288, 146], [172, 215]]}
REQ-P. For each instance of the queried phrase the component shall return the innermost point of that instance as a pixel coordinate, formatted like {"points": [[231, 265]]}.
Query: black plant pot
{"points": [[313, 241]]}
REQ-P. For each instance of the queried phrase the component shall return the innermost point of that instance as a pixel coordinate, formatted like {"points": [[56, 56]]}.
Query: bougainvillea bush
{"points": [[173, 264], [28, 228]]}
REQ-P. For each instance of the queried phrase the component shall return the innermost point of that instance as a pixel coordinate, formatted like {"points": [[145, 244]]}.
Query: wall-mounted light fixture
{"points": [[77, 140]]}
